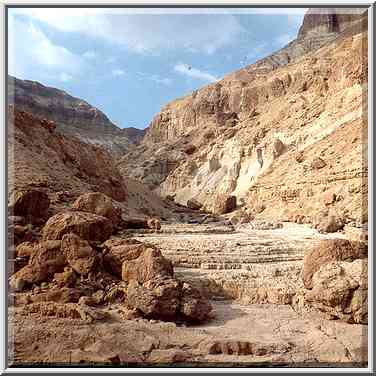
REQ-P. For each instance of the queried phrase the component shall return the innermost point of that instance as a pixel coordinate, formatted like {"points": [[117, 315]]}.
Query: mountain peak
{"points": [[319, 21]]}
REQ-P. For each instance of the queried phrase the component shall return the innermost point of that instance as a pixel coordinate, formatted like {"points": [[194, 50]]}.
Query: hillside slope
{"points": [[73, 116], [256, 133], [65, 167]]}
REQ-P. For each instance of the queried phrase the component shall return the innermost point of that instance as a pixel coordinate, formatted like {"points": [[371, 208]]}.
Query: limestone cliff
{"points": [[258, 132]]}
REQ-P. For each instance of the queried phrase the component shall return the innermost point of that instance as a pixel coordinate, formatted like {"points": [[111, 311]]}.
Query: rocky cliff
{"points": [[258, 133], [73, 116]]}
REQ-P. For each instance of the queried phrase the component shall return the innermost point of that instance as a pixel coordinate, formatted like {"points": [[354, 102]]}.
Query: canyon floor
{"points": [[249, 275]]}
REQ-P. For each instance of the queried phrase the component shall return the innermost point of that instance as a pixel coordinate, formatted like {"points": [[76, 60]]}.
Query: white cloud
{"points": [[154, 77], [89, 55], [194, 73], [161, 80], [33, 54], [143, 33], [118, 72]]}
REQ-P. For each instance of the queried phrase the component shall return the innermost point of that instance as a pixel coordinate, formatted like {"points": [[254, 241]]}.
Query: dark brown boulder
{"points": [[87, 226], [194, 204], [154, 224], [192, 305]]}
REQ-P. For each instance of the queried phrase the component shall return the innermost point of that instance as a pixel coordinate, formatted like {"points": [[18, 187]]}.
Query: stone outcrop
{"points": [[157, 298], [72, 116], [340, 289]]}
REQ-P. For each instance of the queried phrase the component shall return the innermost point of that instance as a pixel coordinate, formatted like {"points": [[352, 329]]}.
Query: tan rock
{"points": [[67, 278], [340, 289], [100, 204], [79, 254], [158, 298], [46, 260], [87, 226], [26, 249], [330, 250], [118, 250], [150, 264]]}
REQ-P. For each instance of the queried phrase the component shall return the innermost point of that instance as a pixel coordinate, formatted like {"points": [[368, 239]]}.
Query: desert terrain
{"points": [[233, 232]]}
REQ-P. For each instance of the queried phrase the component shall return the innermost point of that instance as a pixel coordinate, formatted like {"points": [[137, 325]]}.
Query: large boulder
{"points": [[330, 250], [87, 226], [159, 297], [117, 250], [78, 253], [194, 204], [223, 203], [192, 305], [327, 223], [46, 260], [340, 289], [100, 204], [150, 264], [29, 203]]}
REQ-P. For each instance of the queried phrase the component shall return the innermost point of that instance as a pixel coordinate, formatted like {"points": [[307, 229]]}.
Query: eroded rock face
{"points": [[263, 133], [328, 251], [87, 226], [100, 204], [78, 253]]}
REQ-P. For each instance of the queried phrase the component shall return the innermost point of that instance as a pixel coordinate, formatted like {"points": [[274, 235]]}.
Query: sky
{"points": [[131, 62]]}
